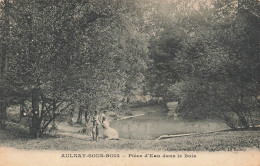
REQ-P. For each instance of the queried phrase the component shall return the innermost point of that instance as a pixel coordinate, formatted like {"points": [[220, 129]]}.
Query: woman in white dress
{"points": [[109, 133]]}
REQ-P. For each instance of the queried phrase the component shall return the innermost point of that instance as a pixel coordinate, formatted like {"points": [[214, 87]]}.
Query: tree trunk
{"points": [[54, 125], [3, 114], [242, 119], [4, 63], [79, 120], [35, 126], [244, 122], [86, 113], [251, 119], [71, 115]]}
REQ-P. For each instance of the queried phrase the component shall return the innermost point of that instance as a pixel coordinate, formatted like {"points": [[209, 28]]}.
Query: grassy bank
{"points": [[222, 141]]}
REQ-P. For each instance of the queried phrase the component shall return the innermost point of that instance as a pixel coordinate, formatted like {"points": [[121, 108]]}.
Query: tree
{"points": [[224, 62], [5, 89], [57, 63], [215, 59]]}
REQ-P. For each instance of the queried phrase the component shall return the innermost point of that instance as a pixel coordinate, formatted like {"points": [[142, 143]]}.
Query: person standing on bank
{"points": [[96, 123], [103, 116]]}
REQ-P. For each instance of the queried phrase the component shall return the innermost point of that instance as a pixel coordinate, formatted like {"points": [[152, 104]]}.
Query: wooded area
{"points": [[95, 54]]}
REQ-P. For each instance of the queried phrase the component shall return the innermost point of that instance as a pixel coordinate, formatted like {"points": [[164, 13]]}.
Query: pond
{"points": [[152, 126]]}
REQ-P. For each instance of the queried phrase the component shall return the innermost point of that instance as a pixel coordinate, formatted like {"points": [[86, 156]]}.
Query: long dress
{"points": [[109, 133]]}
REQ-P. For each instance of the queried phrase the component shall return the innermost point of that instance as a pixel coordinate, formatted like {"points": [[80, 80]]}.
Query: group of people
{"points": [[101, 120]]}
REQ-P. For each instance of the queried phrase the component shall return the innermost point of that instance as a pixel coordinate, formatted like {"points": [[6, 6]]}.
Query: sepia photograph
{"points": [[129, 82]]}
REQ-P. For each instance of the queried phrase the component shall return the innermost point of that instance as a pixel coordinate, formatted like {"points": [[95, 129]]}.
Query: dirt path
{"points": [[66, 129], [74, 135]]}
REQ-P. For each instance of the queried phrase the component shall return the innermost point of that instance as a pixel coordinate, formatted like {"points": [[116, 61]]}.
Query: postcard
{"points": [[129, 82]]}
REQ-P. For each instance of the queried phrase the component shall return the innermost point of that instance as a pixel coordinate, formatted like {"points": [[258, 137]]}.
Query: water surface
{"points": [[153, 126]]}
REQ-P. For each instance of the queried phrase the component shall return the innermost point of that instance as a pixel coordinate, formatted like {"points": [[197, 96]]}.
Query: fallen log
{"points": [[190, 134], [130, 117], [172, 136]]}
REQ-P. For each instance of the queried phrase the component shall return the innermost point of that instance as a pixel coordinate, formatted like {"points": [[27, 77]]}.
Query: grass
{"points": [[17, 137]]}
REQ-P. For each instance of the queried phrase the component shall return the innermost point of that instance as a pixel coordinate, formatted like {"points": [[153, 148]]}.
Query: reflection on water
{"points": [[151, 127]]}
